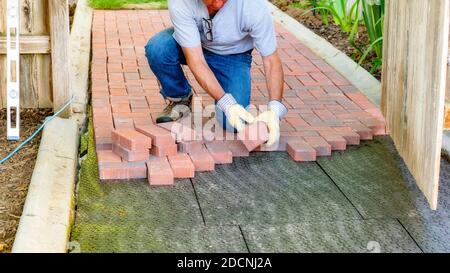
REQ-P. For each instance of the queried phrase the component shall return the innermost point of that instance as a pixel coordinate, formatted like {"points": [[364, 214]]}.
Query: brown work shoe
{"points": [[175, 110]]}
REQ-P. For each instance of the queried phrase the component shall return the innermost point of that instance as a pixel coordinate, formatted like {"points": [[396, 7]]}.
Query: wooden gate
{"points": [[414, 79], [44, 44]]}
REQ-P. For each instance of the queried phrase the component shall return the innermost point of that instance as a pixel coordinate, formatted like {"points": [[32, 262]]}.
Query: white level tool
{"points": [[13, 70]]}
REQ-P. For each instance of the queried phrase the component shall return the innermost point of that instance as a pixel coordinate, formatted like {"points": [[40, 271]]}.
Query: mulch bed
{"points": [[16, 173], [332, 33]]}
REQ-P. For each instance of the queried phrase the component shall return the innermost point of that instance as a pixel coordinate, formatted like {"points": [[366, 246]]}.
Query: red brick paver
{"points": [[254, 135], [182, 166], [301, 151], [326, 113], [159, 172]]}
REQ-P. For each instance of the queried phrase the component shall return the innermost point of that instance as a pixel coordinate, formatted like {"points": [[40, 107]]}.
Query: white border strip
{"points": [[357, 75], [80, 54], [48, 212]]}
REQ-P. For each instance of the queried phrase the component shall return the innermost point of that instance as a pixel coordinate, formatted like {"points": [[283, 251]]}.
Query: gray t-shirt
{"points": [[240, 25]]}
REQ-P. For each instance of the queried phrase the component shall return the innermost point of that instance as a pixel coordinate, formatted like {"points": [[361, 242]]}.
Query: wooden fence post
{"points": [[413, 90], [60, 40]]}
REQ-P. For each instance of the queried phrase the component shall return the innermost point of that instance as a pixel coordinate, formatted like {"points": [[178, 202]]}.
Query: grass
{"points": [[117, 4]]}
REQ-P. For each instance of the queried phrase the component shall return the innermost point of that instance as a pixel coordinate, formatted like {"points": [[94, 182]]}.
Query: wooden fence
{"points": [[414, 83], [44, 44]]}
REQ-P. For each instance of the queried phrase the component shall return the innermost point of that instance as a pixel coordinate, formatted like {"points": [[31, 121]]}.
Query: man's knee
{"points": [[161, 47]]}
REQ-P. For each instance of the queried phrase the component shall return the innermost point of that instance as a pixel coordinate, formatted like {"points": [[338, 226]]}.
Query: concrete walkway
{"points": [[359, 200]]}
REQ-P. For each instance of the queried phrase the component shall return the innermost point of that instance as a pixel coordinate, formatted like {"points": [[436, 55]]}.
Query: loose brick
{"points": [[131, 139], [107, 156], [103, 143], [159, 172], [254, 135], [301, 151], [130, 156], [180, 131], [190, 146], [202, 160], [182, 166], [237, 148], [220, 152], [137, 170], [122, 171], [281, 146], [160, 137], [322, 147], [166, 150], [113, 171]]}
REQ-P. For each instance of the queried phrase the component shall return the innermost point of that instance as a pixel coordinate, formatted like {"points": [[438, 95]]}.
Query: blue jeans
{"points": [[165, 57]]}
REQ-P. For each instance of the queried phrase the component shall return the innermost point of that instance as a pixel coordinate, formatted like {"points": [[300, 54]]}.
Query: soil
{"points": [[332, 33], [16, 173]]}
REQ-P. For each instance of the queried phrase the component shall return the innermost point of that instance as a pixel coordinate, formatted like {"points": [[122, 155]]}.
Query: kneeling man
{"points": [[215, 38]]}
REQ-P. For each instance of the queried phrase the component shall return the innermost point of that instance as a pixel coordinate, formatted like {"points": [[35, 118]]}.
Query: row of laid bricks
{"points": [[152, 151], [135, 149]]}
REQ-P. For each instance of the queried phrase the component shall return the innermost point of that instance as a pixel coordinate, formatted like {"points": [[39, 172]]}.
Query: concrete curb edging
{"points": [[80, 55], [357, 75], [48, 211]]}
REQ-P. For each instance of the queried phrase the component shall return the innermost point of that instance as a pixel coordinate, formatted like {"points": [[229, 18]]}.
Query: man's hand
{"points": [[272, 119], [234, 112]]}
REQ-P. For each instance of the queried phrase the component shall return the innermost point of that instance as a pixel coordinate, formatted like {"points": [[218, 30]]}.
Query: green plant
{"points": [[373, 16], [344, 15], [323, 12]]}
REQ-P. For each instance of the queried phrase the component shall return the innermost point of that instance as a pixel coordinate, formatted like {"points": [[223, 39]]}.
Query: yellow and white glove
{"points": [[234, 112], [272, 118]]}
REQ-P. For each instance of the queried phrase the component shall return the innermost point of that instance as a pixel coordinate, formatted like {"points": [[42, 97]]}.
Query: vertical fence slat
{"points": [[2, 57], [60, 39], [37, 81], [35, 67]]}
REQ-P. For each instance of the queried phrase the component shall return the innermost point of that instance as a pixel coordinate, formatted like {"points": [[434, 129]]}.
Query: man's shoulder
{"points": [[253, 5], [254, 9], [187, 5]]}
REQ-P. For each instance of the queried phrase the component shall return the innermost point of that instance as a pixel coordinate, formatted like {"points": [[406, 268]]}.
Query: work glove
{"points": [[272, 117], [234, 112]]}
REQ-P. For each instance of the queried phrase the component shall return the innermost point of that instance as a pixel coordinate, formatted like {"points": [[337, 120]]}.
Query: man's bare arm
{"points": [[202, 72], [274, 76]]}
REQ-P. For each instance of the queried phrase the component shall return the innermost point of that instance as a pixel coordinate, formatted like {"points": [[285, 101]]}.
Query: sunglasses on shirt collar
{"points": [[207, 26]]}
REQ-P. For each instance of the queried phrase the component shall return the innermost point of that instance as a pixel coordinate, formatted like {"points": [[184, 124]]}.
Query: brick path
{"points": [[326, 112]]}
